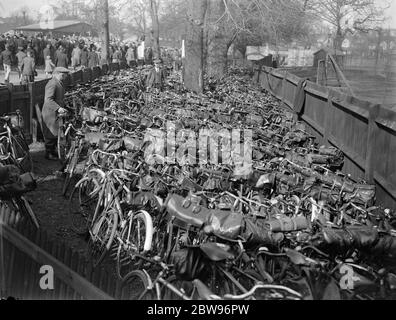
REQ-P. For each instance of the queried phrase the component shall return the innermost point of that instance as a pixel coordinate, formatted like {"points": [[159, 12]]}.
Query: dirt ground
{"points": [[51, 208]]}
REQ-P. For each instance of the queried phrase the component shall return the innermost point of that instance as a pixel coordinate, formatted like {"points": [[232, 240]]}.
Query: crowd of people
{"points": [[26, 53]]}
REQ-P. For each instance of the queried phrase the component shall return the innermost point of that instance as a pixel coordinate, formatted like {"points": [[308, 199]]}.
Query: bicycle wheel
{"points": [[83, 203], [102, 235], [71, 166], [136, 238], [20, 151], [136, 287]]}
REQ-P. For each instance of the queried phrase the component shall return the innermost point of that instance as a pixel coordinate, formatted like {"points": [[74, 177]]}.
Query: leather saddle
{"points": [[186, 212]]}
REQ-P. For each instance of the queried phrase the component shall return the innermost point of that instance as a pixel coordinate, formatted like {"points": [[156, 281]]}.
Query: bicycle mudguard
{"points": [[204, 292]]}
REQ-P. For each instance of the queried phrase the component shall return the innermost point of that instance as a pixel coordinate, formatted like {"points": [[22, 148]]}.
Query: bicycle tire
{"points": [[66, 185], [125, 259], [83, 204], [135, 287], [20, 152], [102, 242], [79, 211], [69, 172]]}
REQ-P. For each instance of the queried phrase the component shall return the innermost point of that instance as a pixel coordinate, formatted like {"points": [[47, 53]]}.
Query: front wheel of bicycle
{"points": [[136, 287], [102, 235], [136, 238]]}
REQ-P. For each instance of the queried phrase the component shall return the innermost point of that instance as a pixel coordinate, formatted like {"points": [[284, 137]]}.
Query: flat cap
{"points": [[61, 70]]}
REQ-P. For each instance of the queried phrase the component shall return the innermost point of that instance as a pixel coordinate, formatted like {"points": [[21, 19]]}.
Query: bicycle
{"points": [[13, 143], [166, 286]]}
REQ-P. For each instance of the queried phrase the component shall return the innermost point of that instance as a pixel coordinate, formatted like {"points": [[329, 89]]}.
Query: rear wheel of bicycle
{"points": [[82, 205], [20, 150], [102, 235], [135, 239], [71, 166], [135, 287]]}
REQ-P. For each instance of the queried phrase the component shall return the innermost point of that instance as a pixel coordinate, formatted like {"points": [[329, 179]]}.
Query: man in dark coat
{"points": [[53, 105], [156, 77], [93, 58], [61, 59], [20, 56], [28, 68]]}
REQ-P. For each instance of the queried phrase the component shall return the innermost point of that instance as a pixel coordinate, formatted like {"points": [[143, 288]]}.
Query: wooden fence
{"points": [[25, 97], [364, 131], [24, 250]]}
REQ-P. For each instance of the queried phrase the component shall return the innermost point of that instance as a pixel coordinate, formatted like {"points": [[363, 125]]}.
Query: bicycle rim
{"points": [[133, 240]]}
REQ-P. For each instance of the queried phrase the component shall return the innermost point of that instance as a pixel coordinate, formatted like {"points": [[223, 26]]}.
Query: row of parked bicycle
{"points": [[285, 225]]}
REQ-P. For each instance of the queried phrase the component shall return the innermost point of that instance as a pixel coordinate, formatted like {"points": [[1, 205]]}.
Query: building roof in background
{"points": [[59, 26]]}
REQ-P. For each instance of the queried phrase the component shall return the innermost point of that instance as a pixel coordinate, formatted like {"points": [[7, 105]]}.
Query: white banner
{"points": [[256, 53]]}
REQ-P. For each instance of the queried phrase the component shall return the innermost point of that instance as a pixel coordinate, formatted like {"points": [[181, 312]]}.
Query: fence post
{"points": [[33, 122], [327, 118], [283, 91], [371, 142], [10, 88]]}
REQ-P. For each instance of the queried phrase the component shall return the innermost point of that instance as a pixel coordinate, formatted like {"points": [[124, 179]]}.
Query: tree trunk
{"points": [[105, 32], [155, 29], [218, 41], [339, 39], [194, 72]]}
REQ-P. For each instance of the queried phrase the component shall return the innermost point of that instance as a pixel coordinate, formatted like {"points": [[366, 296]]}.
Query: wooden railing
{"points": [[25, 97], [25, 249], [364, 131]]}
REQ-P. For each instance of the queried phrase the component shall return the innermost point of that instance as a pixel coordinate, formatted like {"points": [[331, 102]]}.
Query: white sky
{"points": [[10, 6]]}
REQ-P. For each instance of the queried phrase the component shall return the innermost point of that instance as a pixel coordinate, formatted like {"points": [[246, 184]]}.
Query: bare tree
{"points": [[134, 13], [105, 34], [250, 22], [347, 16], [155, 28], [194, 62]]}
